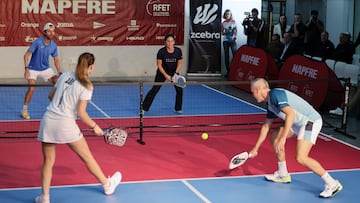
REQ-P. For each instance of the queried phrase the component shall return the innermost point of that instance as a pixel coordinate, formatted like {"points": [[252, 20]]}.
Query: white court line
{"points": [[233, 97], [99, 109], [174, 180], [197, 192]]}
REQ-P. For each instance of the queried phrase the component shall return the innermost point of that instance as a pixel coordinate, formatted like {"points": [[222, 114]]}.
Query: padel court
{"points": [[175, 164]]}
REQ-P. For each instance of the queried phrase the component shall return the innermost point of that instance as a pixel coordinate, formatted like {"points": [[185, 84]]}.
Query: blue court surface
{"points": [[305, 187], [123, 102]]}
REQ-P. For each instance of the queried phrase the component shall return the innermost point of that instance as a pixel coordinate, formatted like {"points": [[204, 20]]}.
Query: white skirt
{"points": [[60, 130]]}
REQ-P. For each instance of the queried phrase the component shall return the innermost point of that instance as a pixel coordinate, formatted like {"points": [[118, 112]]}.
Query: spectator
{"points": [[275, 48], [344, 51], [281, 28], [290, 48], [327, 47], [314, 28], [298, 30], [254, 30], [229, 31]]}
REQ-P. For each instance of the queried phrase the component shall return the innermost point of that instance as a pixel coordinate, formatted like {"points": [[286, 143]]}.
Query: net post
{"points": [[344, 117], [141, 114]]}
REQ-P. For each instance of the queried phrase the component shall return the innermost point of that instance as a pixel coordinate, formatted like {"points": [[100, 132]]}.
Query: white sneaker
{"points": [[331, 190], [178, 111], [113, 182], [338, 111], [41, 199], [277, 178], [25, 114]]}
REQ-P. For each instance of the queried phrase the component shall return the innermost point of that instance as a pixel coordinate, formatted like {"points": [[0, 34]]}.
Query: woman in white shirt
{"points": [[281, 28], [229, 32], [69, 98]]}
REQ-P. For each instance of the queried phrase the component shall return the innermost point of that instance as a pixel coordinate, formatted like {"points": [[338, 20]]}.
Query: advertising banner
{"points": [[298, 67], [250, 63], [92, 22], [205, 36]]}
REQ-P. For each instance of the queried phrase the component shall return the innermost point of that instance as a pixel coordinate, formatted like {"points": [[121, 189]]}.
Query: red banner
{"points": [[319, 93], [249, 63], [92, 22]]}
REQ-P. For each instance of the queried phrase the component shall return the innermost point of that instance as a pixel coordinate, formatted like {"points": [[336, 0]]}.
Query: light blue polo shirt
{"points": [[280, 98]]}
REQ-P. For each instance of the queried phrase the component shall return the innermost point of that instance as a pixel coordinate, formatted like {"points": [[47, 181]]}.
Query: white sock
{"points": [[25, 107], [282, 169], [328, 179]]}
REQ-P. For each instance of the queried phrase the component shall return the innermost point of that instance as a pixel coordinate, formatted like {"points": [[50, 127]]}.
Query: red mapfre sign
{"points": [[298, 67], [249, 63], [92, 22]]}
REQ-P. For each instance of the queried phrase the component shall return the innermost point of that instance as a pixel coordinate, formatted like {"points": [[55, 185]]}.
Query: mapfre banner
{"points": [[92, 22]]}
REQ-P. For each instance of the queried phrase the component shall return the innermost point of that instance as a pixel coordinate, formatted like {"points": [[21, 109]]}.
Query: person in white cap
{"points": [[36, 60]]}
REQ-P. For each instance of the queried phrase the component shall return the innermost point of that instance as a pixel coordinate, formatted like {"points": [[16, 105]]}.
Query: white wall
{"points": [[339, 18]]}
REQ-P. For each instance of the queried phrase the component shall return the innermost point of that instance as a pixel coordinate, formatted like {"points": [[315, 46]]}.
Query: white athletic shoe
{"points": [[41, 199], [338, 111], [178, 111], [331, 190], [25, 114], [113, 182], [277, 178]]}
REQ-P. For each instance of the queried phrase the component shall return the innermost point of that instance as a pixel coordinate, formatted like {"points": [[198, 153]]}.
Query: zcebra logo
{"points": [[205, 14]]}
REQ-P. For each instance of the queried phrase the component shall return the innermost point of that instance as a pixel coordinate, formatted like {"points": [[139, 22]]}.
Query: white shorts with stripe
{"points": [[308, 132]]}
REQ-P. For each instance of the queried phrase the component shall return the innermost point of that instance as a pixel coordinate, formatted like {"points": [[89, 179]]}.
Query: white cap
{"points": [[346, 33], [48, 26]]}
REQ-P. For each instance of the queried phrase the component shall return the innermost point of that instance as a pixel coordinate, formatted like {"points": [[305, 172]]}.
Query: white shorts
{"points": [[308, 132], [44, 74], [60, 130]]}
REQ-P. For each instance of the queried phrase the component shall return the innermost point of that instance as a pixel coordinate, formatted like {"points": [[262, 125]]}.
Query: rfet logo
{"points": [[156, 8], [206, 14]]}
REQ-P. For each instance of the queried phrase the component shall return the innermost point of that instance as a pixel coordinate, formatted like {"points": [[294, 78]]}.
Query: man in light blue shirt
{"points": [[300, 120], [36, 60]]}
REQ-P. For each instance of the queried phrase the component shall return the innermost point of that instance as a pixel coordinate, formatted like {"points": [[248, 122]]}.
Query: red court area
{"points": [[170, 153]]}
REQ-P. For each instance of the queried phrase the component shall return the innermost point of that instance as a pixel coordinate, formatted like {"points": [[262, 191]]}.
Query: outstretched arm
{"points": [[263, 134]]}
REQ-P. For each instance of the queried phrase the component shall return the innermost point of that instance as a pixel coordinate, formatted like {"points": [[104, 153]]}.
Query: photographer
{"points": [[298, 31], [254, 29], [314, 28]]}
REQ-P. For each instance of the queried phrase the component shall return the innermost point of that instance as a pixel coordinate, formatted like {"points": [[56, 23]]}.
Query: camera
{"points": [[247, 21]]}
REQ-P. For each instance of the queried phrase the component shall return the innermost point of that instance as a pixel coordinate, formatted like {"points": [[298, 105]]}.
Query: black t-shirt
{"points": [[169, 60]]}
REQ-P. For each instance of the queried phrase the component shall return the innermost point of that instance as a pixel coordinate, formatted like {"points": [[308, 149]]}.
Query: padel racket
{"points": [[239, 160], [179, 80], [115, 136]]}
